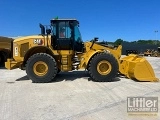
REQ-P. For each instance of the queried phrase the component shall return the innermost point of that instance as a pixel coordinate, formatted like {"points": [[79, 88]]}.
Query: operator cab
{"points": [[65, 35]]}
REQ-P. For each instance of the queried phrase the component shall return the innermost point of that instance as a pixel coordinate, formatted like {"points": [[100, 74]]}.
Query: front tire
{"points": [[103, 67], [41, 68]]}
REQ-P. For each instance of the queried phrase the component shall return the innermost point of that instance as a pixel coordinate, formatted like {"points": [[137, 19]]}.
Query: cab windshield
{"points": [[78, 37]]}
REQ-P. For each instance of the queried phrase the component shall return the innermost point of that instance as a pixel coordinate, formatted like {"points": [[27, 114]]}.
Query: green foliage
{"points": [[150, 42], [118, 42]]}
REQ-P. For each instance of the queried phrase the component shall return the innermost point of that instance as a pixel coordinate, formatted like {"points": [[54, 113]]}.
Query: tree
{"points": [[118, 42]]}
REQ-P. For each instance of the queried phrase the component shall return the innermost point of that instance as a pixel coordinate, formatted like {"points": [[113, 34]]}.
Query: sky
{"points": [[108, 20]]}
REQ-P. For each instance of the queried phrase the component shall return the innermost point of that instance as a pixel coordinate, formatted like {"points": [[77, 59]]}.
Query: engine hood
{"points": [[28, 37]]}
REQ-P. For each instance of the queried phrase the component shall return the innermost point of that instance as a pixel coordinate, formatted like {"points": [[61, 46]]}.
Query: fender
{"points": [[37, 49], [87, 57]]}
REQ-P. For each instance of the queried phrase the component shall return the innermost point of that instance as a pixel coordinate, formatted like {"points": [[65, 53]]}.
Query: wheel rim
{"points": [[40, 68], [104, 67]]}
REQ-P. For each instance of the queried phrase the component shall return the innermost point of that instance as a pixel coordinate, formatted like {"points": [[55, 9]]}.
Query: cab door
{"points": [[63, 40]]}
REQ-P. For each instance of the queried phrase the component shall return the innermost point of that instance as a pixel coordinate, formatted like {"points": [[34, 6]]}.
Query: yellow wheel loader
{"points": [[59, 47]]}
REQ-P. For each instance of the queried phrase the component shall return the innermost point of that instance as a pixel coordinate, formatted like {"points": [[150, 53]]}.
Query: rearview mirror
{"points": [[42, 29]]}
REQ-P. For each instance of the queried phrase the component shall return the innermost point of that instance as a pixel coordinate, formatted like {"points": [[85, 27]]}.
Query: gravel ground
{"points": [[73, 96]]}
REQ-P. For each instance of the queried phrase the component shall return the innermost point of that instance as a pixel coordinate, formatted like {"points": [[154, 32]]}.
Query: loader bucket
{"points": [[137, 68]]}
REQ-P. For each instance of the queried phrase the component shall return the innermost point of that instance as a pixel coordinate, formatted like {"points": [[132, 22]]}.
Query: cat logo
{"points": [[38, 41]]}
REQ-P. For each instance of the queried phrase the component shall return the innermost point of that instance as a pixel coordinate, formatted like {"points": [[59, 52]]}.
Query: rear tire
{"points": [[103, 67], [41, 68]]}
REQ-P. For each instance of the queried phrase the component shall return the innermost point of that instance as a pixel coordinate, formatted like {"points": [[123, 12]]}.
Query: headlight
{"points": [[15, 49]]}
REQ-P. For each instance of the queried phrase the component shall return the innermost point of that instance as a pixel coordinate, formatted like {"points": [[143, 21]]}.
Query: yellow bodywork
{"points": [[85, 57], [132, 66], [12, 64]]}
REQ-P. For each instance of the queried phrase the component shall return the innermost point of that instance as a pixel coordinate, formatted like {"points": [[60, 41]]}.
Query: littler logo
{"points": [[142, 104]]}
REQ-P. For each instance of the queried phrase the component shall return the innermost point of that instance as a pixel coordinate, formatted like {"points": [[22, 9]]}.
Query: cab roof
{"points": [[53, 20]]}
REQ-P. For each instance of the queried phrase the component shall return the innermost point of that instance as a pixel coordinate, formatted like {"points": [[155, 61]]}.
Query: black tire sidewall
{"points": [[51, 68], [96, 76]]}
